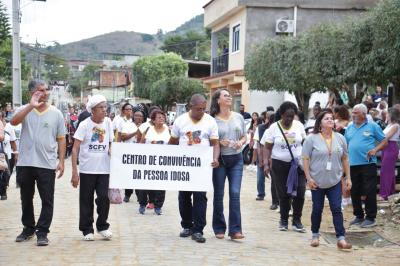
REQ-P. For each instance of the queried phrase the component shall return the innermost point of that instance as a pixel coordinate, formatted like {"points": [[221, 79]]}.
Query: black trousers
{"points": [[193, 216], [45, 180], [151, 196], [280, 171], [274, 194], [89, 184], [364, 179]]}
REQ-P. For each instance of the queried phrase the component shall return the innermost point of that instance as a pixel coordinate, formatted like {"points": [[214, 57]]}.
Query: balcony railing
{"points": [[220, 64]]}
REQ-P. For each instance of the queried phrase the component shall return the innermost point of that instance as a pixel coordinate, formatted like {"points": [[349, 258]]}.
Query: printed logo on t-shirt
{"points": [[291, 138], [367, 133], [46, 125], [98, 135], [193, 137]]}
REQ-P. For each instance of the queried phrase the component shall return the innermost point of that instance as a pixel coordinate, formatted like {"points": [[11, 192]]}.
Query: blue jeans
{"points": [[231, 166], [260, 182], [334, 195]]}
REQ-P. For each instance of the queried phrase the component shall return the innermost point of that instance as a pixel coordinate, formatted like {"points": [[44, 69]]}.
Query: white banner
{"points": [[161, 167]]}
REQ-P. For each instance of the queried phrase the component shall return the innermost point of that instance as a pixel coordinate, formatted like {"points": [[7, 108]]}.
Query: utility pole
{"points": [[16, 64]]}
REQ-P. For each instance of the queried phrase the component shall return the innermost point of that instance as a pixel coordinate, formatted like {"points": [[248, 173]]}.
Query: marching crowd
{"points": [[334, 154]]}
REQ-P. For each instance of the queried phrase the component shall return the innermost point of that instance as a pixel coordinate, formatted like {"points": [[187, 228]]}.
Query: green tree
{"points": [[6, 61], [56, 68], [280, 65], [5, 27], [191, 45], [149, 69], [167, 92]]}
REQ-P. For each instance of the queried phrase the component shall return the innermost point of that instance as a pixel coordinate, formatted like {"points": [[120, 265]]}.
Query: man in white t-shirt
{"points": [[195, 128], [93, 140]]}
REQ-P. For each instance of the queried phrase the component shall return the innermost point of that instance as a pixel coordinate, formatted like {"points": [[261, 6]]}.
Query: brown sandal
{"points": [[315, 242], [236, 236], [342, 244]]}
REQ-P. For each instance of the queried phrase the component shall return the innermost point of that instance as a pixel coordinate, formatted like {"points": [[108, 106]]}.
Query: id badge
{"points": [[329, 166]]}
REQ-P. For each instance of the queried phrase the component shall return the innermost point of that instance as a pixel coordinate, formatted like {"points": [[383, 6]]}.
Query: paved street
{"points": [[153, 240]]}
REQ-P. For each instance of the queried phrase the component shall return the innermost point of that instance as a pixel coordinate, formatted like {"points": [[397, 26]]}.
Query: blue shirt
{"points": [[361, 140]]}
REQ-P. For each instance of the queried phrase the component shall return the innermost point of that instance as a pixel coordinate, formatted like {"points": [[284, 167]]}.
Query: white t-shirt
{"points": [[143, 127], [117, 120], [95, 144], [9, 135], [294, 135], [129, 127], [396, 135], [152, 137], [191, 132]]}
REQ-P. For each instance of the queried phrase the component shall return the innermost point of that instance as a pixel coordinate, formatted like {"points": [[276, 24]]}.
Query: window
{"points": [[235, 38]]}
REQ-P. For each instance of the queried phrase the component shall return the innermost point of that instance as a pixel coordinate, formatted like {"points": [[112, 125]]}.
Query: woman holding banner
{"points": [[232, 137], [93, 140], [158, 133]]}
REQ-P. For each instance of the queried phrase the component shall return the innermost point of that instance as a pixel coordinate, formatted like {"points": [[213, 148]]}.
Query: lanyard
{"points": [[328, 145]]}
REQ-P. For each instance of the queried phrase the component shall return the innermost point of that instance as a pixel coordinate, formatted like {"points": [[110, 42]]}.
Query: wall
{"points": [[215, 11]]}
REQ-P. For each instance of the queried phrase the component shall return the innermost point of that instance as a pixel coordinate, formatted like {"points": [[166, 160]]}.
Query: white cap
{"points": [[95, 100]]}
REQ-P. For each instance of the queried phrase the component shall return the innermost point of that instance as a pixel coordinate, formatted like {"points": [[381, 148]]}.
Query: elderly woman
{"points": [[232, 137], [325, 159], [157, 133], [282, 151], [93, 140]]}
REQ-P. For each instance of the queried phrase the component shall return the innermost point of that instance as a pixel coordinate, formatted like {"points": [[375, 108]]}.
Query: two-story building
{"points": [[238, 25]]}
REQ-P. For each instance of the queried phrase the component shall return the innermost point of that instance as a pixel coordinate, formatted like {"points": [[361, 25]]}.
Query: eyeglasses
{"points": [[128, 109], [227, 96]]}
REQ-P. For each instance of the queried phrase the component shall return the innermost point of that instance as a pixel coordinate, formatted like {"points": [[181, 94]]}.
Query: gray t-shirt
{"points": [[38, 144], [316, 150], [232, 129]]}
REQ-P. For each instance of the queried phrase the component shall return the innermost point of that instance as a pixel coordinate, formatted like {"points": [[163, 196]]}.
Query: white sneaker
{"points": [[88, 237], [106, 234]]}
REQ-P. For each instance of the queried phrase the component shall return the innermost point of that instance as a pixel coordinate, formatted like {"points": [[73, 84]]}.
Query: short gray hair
{"points": [[361, 107], [33, 84]]}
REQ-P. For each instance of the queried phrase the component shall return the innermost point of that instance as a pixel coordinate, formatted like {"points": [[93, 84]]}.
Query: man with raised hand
{"points": [[42, 135]]}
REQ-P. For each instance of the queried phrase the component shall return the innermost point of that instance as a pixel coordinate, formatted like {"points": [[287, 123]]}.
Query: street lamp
{"points": [[16, 53]]}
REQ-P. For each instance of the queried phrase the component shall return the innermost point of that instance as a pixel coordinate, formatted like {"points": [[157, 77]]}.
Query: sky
{"points": [[67, 21]]}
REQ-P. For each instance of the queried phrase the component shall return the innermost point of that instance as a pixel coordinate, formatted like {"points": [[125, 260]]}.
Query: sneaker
{"points": [[126, 199], [24, 236], [3, 197], [368, 223], [273, 207], [157, 211], [298, 227], [106, 234], [283, 225], [186, 232], [260, 198], [357, 221], [42, 240], [88, 237], [142, 209], [150, 206], [198, 237]]}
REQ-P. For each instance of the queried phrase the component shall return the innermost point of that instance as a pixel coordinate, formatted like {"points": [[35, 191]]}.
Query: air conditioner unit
{"points": [[284, 26]]}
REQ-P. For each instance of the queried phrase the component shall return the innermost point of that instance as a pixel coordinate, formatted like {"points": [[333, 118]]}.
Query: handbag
{"points": [[114, 196], [293, 176], [3, 159]]}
